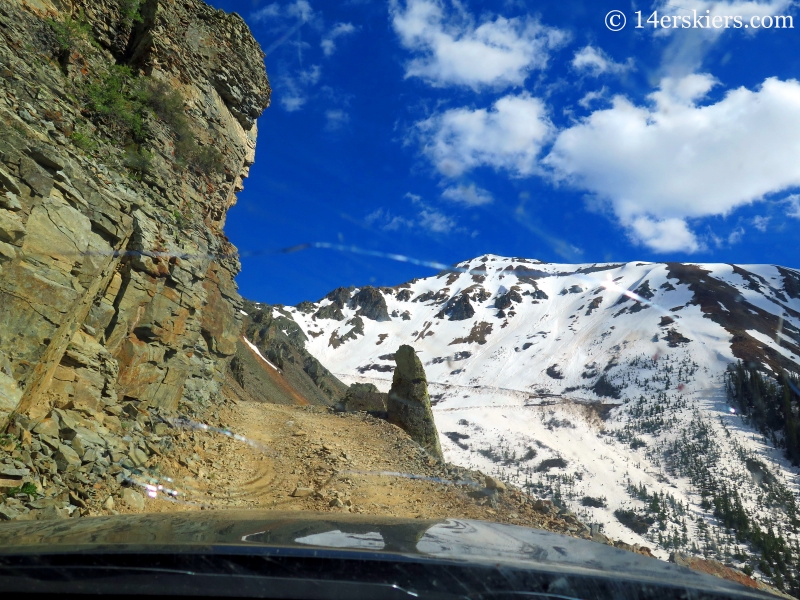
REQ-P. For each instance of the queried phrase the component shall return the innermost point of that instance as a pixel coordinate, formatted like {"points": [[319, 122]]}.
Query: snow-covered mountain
{"points": [[600, 386]]}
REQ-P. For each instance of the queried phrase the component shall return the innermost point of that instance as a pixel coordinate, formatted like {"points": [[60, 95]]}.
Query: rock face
{"points": [[116, 282], [126, 129], [409, 406], [459, 309], [371, 304], [302, 380], [364, 397]]}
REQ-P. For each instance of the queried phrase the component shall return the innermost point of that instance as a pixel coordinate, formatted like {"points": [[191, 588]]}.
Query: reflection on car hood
{"points": [[372, 537]]}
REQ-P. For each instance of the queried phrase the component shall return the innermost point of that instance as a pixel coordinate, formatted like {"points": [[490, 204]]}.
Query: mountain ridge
{"points": [[599, 386]]}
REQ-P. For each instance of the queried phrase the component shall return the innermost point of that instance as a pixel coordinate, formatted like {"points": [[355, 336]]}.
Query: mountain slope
{"points": [[598, 386]]}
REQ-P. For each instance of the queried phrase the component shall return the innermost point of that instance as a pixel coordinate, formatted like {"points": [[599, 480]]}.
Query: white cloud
{"points": [[736, 236], [595, 62], [452, 49], [428, 218], [299, 10], [663, 235], [435, 222], [700, 9], [328, 43], [794, 206], [469, 195], [295, 89], [509, 136], [386, 221], [675, 160], [335, 119], [591, 97], [688, 46], [268, 12], [761, 223]]}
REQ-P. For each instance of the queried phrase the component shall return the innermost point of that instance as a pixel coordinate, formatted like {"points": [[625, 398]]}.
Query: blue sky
{"points": [[444, 130]]}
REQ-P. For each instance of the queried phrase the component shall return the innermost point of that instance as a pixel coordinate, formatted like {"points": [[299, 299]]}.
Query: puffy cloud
{"points": [[593, 96], [509, 136], [435, 222], [469, 195], [735, 236], [716, 8], [299, 10], [665, 235], [452, 49], [675, 160], [328, 43], [596, 62]]}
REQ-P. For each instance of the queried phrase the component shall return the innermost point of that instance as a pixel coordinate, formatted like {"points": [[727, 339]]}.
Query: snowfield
{"points": [[599, 386]]}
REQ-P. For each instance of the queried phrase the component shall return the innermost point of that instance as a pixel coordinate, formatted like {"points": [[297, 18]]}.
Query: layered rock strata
{"points": [[126, 129]]}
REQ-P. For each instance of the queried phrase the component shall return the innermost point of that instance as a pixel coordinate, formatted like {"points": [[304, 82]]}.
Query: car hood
{"points": [[374, 537]]}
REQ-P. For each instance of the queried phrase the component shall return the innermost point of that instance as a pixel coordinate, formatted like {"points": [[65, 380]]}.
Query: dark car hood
{"points": [[406, 539]]}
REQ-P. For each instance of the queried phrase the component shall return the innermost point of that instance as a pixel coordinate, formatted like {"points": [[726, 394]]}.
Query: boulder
{"points": [[364, 397], [133, 499], [494, 484], [408, 405], [66, 458]]}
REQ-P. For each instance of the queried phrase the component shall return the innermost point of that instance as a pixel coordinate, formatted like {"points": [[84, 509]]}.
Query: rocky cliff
{"points": [[126, 129]]}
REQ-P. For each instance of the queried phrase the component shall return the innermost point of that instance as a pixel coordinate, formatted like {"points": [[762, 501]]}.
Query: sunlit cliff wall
{"points": [[116, 280]]}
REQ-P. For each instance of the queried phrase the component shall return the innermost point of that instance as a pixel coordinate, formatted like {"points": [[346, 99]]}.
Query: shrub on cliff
{"points": [[68, 32], [119, 101], [124, 103], [167, 104]]}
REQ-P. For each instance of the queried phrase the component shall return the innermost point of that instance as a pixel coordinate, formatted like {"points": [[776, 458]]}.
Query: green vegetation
{"points": [[26, 488], [604, 388], [180, 221], [592, 502], [131, 12], [633, 521], [83, 141], [118, 100], [127, 104], [692, 455], [771, 406], [69, 32], [167, 104], [138, 160]]}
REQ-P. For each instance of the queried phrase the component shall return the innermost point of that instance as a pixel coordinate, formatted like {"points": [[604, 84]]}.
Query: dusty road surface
{"points": [[310, 458]]}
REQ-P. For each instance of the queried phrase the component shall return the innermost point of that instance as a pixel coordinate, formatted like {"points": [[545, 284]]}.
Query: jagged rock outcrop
{"points": [[408, 405], [507, 300], [302, 378], [364, 397], [126, 129], [340, 296], [371, 304], [458, 309]]}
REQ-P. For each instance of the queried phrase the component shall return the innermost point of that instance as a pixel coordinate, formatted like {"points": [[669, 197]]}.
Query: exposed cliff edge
{"points": [[126, 128]]}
